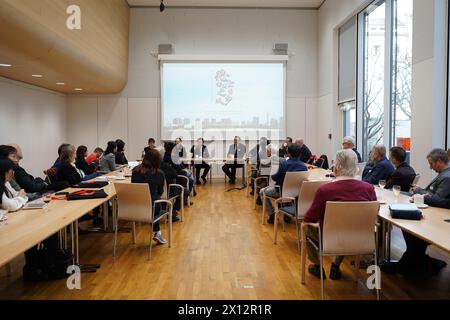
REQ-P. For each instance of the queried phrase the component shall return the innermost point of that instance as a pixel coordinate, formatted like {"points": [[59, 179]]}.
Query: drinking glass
{"points": [[396, 190], [382, 184]]}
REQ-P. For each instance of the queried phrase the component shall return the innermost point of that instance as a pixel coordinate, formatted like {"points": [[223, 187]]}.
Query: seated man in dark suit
{"points": [[415, 261], [305, 153], [381, 168], [404, 175], [237, 152], [283, 153], [292, 165]]}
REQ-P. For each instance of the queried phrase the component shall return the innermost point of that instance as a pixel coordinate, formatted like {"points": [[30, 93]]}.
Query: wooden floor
{"points": [[221, 251]]}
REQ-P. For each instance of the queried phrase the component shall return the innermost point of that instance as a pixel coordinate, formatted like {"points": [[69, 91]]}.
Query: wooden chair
{"points": [[349, 229], [289, 192], [135, 205], [306, 195]]}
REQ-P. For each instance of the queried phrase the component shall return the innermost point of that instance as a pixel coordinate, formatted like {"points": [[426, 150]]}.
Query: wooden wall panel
{"points": [[35, 40]]}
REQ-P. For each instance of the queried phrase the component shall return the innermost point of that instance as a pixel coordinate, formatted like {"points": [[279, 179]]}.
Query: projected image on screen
{"points": [[245, 99]]}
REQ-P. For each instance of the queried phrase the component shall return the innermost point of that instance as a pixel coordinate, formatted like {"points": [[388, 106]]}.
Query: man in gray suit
{"points": [[437, 194], [235, 152]]}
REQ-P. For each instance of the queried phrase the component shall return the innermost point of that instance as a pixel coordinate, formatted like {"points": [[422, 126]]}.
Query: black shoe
{"points": [[314, 269], [204, 180], [98, 221], [259, 201], [435, 266], [175, 219], [335, 273], [198, 182], [232, 181], [287, 219], [389, 267], [252, 193], [82, 231], [271, 220]]}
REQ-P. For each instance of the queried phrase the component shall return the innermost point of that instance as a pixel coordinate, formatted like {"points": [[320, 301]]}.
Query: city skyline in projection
{"points": [[219, 96]]}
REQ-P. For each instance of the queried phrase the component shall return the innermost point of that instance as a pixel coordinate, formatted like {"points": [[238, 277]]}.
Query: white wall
{"points": [[134, 114], [35, 119], [331, 16]]}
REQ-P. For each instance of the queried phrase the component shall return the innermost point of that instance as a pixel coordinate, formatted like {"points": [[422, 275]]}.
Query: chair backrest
{"points": [[317, 174], [319, 162], [134, 202], [416, 180], [306, 197], [349, 227], [293, 182]]}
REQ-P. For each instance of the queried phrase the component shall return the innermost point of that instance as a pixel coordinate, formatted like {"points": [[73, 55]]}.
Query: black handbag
{"points": [[87, 194], [406, 214]]}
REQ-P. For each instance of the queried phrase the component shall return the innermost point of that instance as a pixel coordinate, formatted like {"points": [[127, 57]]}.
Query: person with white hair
{"points": [[349, 143], [344, 189], [268, 165], [380, 169]]}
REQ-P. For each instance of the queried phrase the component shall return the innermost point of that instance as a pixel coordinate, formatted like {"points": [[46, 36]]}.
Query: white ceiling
{"points": [[231, 3]]}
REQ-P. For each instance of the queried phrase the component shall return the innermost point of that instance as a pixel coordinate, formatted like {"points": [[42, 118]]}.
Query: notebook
{"points": [[34, 206]]}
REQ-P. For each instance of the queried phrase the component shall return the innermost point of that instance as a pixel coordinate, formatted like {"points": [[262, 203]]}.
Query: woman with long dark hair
{"points": [[10, 199], [81, 163], [108, 160], [149, 171]]}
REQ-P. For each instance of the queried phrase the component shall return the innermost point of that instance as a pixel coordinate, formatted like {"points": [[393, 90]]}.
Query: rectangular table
{"points": [[27, 228], [432, 228]]}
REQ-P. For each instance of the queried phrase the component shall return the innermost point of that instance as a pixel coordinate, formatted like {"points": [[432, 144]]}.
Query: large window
{"points": [[384, 76], [374, 30], [402, 75]]}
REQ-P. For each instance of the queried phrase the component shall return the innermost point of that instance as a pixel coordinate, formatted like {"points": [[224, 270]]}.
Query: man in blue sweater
{"points": [[293, 164], [380, 169]]}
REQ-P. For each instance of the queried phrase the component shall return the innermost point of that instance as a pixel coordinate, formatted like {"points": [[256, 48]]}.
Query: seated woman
{"points": [[108, 160], [345, 189], [150, 172], [68, 171], [173, 160], [81, 162], [10, 199], [120, 153]]}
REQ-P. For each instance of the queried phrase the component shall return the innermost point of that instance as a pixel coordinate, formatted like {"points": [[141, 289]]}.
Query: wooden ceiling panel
{"points": [[35, 40]]}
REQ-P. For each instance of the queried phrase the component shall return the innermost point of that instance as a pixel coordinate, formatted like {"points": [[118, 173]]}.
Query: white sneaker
{"points": [[158, 237]]}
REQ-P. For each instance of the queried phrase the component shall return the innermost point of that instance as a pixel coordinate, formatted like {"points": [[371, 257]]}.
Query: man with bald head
{"points": [[305, 153]]}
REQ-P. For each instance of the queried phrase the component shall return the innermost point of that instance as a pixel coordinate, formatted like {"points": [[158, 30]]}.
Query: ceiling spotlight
{"points": [[36, 75], [162, 7], [5, 65], [60, 83], [78, 89]]}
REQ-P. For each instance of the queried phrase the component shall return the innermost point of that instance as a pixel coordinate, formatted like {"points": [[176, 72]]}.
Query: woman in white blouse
{"points": [[10, 199]]}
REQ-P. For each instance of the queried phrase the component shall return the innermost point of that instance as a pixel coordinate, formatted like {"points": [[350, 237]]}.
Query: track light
{"points": [[162, 7]]}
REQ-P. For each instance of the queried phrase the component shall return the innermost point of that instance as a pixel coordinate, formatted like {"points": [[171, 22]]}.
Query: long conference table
{"points": [[433, 228], [27, 228]]}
